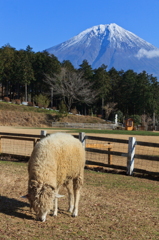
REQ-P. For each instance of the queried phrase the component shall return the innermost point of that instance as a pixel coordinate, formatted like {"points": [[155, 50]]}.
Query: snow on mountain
{"points": [[112, 45]]}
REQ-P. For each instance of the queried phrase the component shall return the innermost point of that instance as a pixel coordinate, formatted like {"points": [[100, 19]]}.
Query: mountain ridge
{"points": [[111, 45]]}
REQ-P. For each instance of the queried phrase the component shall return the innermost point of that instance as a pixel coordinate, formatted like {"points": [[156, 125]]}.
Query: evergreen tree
{"points": [[143, 93], [114, 93], [44, 63], [68, 65], [102, 84], [87, 70], [6, 66], [128, 97], [26, 71], [154, 99]]}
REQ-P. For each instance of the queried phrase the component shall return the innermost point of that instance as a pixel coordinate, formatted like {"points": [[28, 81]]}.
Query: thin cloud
{"points": [[148, 54]]}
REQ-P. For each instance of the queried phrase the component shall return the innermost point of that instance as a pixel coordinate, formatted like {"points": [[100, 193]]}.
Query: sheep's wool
{"points": [[55, 161]]}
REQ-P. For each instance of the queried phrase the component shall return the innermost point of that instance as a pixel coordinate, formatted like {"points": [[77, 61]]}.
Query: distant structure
{"points": [[116, 119], [129, 124]]}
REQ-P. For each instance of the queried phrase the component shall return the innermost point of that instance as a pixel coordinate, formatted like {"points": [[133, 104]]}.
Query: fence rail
{"points": [[98, 147], [21, 135]]}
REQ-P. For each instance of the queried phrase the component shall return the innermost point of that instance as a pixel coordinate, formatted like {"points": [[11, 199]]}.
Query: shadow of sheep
{"points": [[11, 207]]}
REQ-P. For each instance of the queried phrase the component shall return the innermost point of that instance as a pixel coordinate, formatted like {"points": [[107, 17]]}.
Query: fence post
{"points": [[82, 139], [34, 142], [109, 155], [43, 133], [131, 154]]}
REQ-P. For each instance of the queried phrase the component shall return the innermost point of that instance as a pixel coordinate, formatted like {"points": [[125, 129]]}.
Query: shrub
{"points": [[63, 108], [13, 101], [137, 119], [18, 101], [45, 105], [30, 104], [74, 111], [42, 101], [120, 116], [6, 99], [40, 105]]}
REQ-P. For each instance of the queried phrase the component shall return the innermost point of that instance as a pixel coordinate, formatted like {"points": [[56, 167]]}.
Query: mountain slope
{"points": [[112, 45]]}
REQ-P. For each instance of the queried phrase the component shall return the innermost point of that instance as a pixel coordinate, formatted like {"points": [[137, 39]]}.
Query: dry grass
{"points": [[111, 207], [27, 119], [15, 115]]}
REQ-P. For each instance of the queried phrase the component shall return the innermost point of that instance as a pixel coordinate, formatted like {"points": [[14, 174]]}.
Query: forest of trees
{"points": [[25, 73]]}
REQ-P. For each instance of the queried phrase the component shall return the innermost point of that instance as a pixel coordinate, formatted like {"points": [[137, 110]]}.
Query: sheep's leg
{"points": [[69, 187], [55, 204], [77, 183], [55, 207], [76, 196]]}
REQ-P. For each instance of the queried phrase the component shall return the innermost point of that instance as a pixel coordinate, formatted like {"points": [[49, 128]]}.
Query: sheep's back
{"points": [[57, 158]]}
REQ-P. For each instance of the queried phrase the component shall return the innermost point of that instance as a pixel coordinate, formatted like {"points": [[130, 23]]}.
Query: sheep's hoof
{"points": [[74, 214], [54, 214]]}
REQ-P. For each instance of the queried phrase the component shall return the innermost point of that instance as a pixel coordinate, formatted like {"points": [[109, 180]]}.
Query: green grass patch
{"points": [[120, 132], [11, 163], [116, 181]]}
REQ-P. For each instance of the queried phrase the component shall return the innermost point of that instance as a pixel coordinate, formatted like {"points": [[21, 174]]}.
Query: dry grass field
{"points": [[112, 206]]}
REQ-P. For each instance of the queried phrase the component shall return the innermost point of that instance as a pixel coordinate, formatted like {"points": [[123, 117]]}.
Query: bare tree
{"points": [[72, 87], [109, 107]]}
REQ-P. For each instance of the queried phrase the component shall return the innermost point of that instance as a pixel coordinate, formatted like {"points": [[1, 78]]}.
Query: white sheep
{"points": [[57, 160]]}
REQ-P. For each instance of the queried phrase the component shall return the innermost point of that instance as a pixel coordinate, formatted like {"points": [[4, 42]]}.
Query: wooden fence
{"points": [[130, 155], [98, 142]]}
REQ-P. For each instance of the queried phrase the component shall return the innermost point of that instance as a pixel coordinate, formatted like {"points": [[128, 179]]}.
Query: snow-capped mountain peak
{"points": [[109, 44]]}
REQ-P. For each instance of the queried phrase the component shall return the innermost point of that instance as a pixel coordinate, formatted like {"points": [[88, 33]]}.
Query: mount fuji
{"points": [[111, 45]]}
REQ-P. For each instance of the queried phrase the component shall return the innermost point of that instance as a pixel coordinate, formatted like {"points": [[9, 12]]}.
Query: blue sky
{"points": [[45, 23]]}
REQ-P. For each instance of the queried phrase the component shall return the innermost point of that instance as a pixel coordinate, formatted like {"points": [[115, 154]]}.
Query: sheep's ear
{"points": [[58, 195], [26, 196]]}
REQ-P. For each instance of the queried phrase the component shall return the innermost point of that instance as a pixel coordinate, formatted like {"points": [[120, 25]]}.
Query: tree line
{"points": [[25, 73]]}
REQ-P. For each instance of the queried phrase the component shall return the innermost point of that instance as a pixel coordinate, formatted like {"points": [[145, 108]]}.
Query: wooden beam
{"points": [[18, 138], [107, 139], [98, 145], [0, 144], [20, 135], [105, 165]]}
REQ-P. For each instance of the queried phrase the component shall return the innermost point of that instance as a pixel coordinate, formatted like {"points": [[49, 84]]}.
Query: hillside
{"points": [[15, 115]]}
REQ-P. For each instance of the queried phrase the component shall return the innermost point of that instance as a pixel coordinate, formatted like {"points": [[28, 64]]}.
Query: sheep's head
{"points": [[41, 198]]}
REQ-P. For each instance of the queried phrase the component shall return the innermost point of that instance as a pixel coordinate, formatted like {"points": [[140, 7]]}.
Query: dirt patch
{"points": [[111, 207]]}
